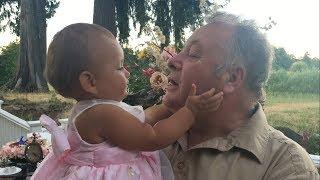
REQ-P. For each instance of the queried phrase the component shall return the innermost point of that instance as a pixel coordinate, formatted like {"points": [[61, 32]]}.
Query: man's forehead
{"points": [[212, 39], [212, 32]]}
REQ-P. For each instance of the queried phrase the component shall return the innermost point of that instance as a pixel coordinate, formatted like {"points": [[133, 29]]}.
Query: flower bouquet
{"points": [[13, 153], [156, 56]]}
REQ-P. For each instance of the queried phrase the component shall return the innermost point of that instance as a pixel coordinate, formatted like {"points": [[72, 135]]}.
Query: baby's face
{"points": [[111, 78]]}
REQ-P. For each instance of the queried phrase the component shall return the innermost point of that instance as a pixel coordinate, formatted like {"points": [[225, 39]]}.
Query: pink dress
{"points": [[73, 158]]}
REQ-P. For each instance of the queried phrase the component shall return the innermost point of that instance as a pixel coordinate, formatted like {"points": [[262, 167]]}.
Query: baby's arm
{"points": [[155, 113], [125, 131]]}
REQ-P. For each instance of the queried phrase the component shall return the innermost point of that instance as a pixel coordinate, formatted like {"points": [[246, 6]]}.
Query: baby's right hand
{"points": [[207, 101]]}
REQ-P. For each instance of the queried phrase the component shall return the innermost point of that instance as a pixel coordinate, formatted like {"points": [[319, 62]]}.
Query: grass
{"points": [[29, 106], [297, 111], [34, 97], [281, 97]]}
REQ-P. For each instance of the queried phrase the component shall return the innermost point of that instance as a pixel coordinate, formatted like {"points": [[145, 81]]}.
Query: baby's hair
{"points": [[68, 55]]}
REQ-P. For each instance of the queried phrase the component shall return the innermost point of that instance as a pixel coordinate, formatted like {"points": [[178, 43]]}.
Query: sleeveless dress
{"points": [[73, 158]]}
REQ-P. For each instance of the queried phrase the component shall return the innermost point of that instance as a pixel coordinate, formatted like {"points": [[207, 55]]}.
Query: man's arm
{"points": [[293, 163]]}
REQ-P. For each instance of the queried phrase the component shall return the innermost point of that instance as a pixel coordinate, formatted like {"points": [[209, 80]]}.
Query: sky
{"points": [[297, 28]]}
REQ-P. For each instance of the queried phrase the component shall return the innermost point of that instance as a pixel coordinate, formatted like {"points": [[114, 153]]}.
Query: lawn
{"points": [[299, 112], [29, 106]]}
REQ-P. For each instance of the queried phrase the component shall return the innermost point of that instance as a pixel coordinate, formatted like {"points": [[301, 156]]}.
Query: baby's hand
{"points": [[207, 101]]}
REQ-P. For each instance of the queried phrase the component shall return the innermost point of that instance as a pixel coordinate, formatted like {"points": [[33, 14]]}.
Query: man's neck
{"points": [[202, 132], [219, 124]]}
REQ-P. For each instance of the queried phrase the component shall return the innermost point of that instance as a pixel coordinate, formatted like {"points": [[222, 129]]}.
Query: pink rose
{"points": [[158, 80]]}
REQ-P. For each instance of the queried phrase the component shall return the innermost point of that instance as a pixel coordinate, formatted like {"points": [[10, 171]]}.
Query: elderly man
{"points": [[234, 142]]}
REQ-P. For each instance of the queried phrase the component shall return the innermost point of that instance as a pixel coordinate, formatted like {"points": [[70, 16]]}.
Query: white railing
{"points": [[35, 126], [13, 127], [316, 160]]}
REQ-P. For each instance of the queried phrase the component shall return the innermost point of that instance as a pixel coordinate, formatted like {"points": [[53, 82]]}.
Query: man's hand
{"points": [[207, 101]]}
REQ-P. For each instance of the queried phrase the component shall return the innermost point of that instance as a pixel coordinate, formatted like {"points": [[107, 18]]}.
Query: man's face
{"points": [[196, 63]]}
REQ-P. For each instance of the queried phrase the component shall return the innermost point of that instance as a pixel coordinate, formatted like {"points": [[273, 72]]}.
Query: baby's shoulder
{"points": [[105, 110], [108, 110]]}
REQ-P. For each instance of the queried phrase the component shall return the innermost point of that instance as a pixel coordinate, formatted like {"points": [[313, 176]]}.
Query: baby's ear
{"points": [[88, 82]]}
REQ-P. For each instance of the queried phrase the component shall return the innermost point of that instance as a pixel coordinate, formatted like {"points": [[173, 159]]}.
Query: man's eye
{"points": [[194, 55], [194, 52]]}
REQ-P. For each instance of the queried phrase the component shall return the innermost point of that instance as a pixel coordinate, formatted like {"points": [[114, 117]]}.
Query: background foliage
{"points": [[289, 74], [306, 81], [8, 62], [137, 80], [171, 16], [10, 14]]}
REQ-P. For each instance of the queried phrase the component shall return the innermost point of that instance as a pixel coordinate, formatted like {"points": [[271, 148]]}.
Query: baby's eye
{"points": [[121, 68]]}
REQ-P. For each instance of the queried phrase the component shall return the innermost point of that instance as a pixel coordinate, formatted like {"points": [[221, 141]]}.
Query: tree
{"points": [[172, 16], [104, 14], [312, 63], [32, 47], [299, 66], [29, 22], [10, 14], [282, 60], [8, 61]]}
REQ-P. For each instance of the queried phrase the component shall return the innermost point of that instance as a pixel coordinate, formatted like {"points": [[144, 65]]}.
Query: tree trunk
{"points": [[29, 77], [105, 15]]}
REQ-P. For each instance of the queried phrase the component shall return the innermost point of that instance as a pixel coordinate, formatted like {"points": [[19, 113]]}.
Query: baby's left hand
{"points": [[205, 102]]}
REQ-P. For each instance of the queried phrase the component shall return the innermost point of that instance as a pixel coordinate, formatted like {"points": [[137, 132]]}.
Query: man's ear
{"points": [[88, 82], [234, 78]]}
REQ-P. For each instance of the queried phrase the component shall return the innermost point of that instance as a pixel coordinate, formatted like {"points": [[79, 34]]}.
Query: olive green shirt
{"points": [[252, 152]]}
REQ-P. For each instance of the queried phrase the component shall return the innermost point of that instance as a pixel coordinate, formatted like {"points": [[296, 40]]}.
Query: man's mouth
{"points": [[172, 84]]}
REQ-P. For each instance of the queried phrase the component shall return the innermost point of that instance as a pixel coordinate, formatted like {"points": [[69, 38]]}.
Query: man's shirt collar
{"points": [[251, 136]]}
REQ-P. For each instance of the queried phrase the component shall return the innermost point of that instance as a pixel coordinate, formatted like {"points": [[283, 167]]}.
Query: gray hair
{"points": [[248, 47]]}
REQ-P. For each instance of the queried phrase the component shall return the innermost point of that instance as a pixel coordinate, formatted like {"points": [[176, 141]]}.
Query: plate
{"points": [[8, 171]]}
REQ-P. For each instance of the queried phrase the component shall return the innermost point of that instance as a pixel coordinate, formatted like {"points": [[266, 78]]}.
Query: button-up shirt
{"points": [[255, 151]]}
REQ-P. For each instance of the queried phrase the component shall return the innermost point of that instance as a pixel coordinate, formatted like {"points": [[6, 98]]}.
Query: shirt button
{"points": [[180, 165]]}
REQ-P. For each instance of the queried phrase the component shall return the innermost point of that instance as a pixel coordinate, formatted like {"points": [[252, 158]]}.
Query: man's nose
{"points": [[126, 73], [175, 64]]}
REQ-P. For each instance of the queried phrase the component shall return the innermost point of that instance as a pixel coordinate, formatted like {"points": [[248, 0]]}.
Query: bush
{"points": [[137, 80], [306, 81], [282, 60], [299, 66], [313, 144], [8, 62]]}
